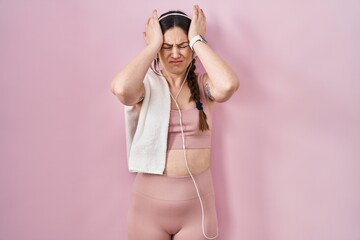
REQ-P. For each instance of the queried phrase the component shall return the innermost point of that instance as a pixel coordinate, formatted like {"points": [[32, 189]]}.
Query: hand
{"points": [[153, 35], [198, 23]]}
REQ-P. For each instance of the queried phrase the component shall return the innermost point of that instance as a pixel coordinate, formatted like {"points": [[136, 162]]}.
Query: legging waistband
{"points": [[173, 188]]}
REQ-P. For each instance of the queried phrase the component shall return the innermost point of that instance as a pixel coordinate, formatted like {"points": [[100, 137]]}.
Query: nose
{"points": [[175, 52]]}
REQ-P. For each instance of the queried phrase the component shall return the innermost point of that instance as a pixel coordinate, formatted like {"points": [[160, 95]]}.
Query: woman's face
{"points": [[175, 54]]}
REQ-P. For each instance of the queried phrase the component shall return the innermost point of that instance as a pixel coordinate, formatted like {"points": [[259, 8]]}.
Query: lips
{"points": [[175, 62]]}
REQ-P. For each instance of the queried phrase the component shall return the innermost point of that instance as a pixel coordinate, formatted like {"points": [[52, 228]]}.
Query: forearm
{"points": [[223, 80], [127, 85]]}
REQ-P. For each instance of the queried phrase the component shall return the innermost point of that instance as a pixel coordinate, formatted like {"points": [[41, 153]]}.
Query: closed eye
{"points": [[166, 46], [182, 45]]}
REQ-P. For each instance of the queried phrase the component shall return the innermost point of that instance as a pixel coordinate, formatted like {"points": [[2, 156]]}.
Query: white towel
{"points": [[147, 130]]}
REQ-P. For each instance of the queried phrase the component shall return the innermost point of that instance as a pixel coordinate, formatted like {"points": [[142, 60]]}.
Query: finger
{"points": [[198, 9], [145, 38], [152, 16], [202, 13], [195, 11], [155, 16]]}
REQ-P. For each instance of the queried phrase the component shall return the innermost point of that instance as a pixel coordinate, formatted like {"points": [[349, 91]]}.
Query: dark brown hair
{"points": [[192, 79]]}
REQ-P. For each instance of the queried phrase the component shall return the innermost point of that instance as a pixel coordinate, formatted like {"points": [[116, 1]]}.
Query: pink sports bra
{"points": [[194, 137]]}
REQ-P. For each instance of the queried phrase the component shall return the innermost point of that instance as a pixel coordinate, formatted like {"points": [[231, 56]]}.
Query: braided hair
{"points": [[169, 22], [193, 84]]}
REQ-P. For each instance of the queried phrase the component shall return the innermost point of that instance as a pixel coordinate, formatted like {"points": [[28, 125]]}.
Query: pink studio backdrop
{"points": [[286, 146]]}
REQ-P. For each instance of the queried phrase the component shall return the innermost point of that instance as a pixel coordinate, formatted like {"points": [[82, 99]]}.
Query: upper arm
{"points": [[207, 88], [213, 92], [137, 98]]}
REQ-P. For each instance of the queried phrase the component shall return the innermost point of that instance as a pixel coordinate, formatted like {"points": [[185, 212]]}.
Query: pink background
{"points": [[286, 154]]}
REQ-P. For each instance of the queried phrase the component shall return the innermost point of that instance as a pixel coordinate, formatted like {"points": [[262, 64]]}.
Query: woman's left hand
{"points": [[198, 23]]}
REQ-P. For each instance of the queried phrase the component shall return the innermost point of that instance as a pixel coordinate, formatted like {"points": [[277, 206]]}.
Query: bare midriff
{"points": [[198, 161]]}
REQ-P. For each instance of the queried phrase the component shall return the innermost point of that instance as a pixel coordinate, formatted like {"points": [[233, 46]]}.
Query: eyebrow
{"points": [[168, 44]]}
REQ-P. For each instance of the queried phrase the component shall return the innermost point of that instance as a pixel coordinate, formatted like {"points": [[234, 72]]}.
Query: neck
{"points": [[174, 80]]}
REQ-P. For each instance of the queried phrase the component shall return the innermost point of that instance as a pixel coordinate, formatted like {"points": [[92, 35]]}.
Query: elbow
{"points": [[236, 83], [232, 86], [228, 90], [118, 91], [123, 94]]}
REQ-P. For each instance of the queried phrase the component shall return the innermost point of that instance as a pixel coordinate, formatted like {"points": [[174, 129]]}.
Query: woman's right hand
{"points": [[153, 35]]}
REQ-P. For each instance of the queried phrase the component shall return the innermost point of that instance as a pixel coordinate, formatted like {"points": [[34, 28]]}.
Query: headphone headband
{"points": [[174, 14]]}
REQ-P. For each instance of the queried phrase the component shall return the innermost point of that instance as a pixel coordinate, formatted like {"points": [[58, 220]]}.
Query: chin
{"points": [[177, 69]]}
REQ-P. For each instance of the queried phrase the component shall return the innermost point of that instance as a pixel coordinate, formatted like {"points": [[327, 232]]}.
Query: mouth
{"points": [[175, 62]]}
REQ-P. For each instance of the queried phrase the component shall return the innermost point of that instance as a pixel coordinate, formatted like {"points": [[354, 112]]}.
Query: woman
{"points": [[169, 127]]}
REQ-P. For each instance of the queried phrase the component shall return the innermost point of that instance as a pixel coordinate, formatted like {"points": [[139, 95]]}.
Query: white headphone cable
{"points": [[186, 163]]}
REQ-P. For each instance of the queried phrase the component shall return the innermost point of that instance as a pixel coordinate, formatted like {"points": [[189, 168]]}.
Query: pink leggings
{"points": [[165, 208]]}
